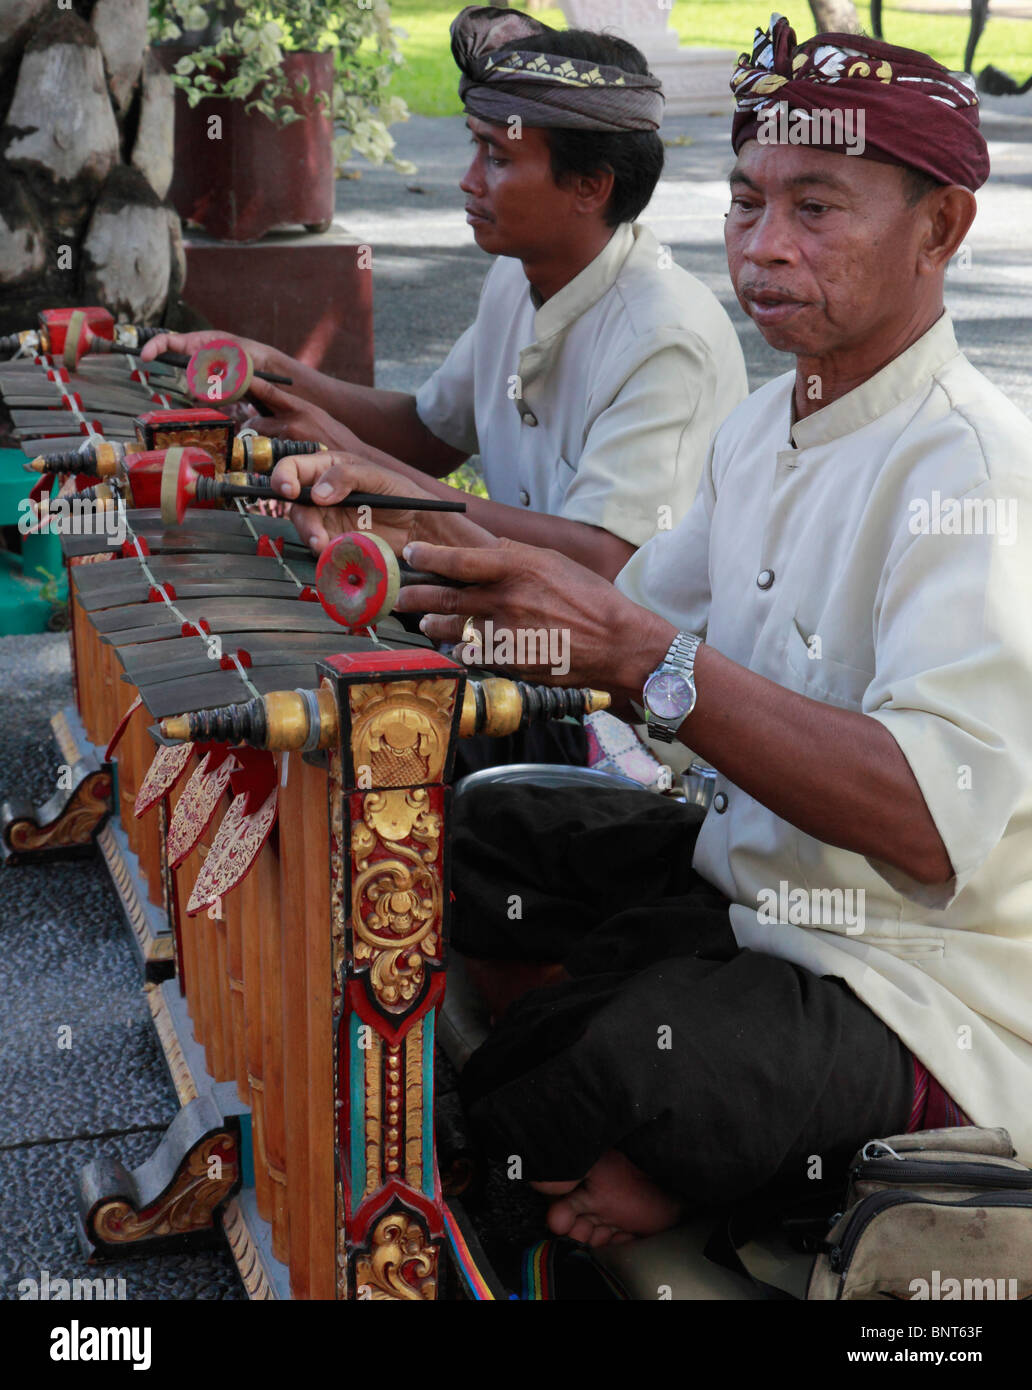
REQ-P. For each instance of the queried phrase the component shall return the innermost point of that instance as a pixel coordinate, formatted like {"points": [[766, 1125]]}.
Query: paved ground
{"points": [[65, 959], [429, 271]]}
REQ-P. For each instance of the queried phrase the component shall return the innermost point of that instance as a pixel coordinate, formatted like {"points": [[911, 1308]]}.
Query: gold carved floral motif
{"points": [[396, 900], [89, 802], [400, 730], [187, 1206], [400, 1265]]}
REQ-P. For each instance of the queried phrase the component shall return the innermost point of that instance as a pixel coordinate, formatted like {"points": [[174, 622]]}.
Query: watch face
{"points": [[668, 694]]}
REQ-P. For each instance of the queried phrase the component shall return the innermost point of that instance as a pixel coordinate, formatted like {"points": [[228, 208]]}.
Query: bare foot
{"points": [[611, 1205]]}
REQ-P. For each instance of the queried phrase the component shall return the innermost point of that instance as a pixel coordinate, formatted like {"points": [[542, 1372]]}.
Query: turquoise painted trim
{"points": [[246, 1151], [428, 1104], [357, 1080]]}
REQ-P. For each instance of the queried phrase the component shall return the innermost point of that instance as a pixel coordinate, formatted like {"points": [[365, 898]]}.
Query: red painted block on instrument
{"points": [[268, 545], [145, 475], [55, 323], [200, 426], [375, 663]]}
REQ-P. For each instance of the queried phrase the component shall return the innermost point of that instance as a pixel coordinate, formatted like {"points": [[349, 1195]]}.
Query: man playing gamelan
{"points": [[597, 369], [840, 626]]}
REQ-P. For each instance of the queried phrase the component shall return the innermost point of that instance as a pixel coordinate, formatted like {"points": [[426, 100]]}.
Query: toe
{"points": [[583, 1229], [555, 1189], [562, 1216]]}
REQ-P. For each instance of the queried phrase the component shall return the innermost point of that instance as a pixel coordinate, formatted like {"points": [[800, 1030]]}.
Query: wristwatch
{"points": [[669, 694]]}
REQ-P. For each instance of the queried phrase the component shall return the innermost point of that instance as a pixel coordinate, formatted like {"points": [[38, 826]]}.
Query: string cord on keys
{"points": [[241, 507], [190, 629]]}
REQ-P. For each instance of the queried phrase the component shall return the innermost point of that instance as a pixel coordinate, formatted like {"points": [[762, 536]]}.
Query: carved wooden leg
{"points": [[65, 826], [389, 906], [171, 1202]]}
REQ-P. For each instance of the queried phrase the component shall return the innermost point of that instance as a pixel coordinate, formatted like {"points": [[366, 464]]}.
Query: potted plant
{"points": [[272, 98]]}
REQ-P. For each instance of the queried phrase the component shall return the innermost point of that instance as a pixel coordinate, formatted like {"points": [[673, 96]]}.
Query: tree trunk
{"points": [[85, 163], [835, 17]]}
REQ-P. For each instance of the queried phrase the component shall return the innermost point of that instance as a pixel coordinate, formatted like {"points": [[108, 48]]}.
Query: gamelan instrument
{"points": [[250, 452], [106, 408], [278, 832], [221, 370]]}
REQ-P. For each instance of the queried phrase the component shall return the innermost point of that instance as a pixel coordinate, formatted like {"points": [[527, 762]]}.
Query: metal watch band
{"points": [[680, 657]]}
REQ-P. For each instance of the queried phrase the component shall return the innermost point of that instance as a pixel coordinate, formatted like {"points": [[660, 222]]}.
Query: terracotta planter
{"points": [[258, 175]]}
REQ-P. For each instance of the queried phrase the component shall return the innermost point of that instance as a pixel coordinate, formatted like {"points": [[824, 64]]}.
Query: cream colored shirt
{"points": [[884, 565], [600, 404]]}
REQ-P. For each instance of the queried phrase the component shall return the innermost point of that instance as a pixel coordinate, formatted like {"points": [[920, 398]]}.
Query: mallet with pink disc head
{"points": [[358, 579], [185, 483]]}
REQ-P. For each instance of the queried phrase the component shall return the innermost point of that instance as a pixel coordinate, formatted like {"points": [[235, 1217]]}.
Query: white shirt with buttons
{"points": [[598, 405], [877, 556]]}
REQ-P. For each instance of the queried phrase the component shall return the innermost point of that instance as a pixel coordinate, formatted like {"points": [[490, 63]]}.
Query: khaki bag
{"points": [[940, 1215]]}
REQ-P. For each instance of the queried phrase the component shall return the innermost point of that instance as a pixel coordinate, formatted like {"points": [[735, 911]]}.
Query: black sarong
{"points": [[718, 1071]]}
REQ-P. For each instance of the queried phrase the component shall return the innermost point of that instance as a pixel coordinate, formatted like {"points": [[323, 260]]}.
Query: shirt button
{"points": [[524, 498], [765, 579], [530, 419], [720, 803]]}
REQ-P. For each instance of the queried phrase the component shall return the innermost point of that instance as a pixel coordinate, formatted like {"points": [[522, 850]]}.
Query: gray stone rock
{"points": [[126, 251], [128, 254], [153, 150], [121, 28], [61, 105]]}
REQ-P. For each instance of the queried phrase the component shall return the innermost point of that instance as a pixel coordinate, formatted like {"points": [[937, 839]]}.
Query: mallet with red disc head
{"points": [[184, 485], [358, 579]]}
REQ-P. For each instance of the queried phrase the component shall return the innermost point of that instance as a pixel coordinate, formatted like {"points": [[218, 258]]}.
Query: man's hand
{"points": [[599, 635], [338, 473], [260, 354], [293, 418]]}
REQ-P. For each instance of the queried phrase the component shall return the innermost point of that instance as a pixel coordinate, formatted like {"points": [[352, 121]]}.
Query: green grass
{"points": [[429, 80]]}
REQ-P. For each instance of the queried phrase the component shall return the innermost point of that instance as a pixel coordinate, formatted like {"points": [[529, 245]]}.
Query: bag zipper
{"points": [[958, 1174], [868, 1208]]}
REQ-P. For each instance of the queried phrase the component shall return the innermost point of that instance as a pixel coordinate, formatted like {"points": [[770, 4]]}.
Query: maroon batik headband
{"points": [[917, 113]]}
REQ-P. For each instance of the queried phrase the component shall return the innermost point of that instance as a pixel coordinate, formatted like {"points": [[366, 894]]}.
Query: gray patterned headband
{"points": [[544, 89]]}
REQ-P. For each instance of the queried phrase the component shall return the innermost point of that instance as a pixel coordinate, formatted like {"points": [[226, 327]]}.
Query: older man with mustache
{"points": [[842, 948]]}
